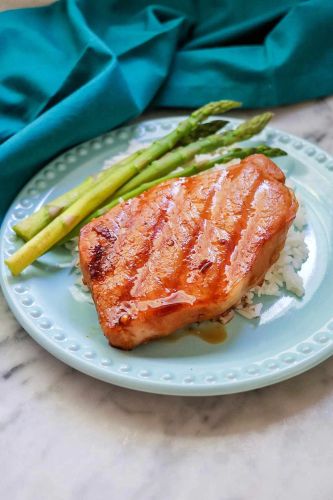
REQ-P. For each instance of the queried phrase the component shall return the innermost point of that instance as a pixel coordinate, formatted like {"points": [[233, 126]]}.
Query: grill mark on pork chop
{"points": [[145, 252], [262, 226], [238, 229], [219, 204], [95, 267], [193, 242], [174, 282], [144, 274], [142, 256], [219, 280], [202, 219], [214, 201], [113, 247], [105, 233], [191, 186]]}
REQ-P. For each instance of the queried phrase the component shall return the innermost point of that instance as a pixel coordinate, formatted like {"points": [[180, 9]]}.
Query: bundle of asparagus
{"points": [[33, 224], [133, 175]]}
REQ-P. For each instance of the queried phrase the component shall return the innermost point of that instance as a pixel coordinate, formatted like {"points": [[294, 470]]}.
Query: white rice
{"points": [[282, 276]]}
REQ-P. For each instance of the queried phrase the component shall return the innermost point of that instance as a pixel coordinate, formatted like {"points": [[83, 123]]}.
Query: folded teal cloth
{"points": [[75, 69]]}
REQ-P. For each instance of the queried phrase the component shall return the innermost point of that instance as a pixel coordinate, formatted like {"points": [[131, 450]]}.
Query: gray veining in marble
{"points": [[64, 435]]}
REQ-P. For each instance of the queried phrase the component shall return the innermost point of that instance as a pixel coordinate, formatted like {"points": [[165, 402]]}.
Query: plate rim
{"points": [[229, 386]]}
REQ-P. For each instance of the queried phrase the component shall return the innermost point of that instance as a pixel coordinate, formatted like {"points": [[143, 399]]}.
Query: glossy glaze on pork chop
{"points": [[186, 250]]}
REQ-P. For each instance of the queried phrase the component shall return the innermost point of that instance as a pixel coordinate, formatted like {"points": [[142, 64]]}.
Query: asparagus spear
{"points": [[92, 199], [181, 155], [192, 126], [30, 226], [192, 169], [203, 130]]}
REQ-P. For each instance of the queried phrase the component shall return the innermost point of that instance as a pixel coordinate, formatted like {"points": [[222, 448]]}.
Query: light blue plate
{"points": [[292, 335]]}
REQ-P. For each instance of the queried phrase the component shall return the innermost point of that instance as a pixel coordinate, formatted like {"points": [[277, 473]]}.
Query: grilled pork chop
{"points": [[186, 250]]}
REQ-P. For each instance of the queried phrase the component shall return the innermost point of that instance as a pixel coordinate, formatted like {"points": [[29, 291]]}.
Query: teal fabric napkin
{"points": [[75, 69]]}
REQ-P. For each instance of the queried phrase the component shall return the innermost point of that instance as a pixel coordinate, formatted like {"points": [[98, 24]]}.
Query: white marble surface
{"points": [[66, 436]]}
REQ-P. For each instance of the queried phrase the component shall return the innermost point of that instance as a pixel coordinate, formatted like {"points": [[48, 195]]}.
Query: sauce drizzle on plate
{"points": [[211, 332]]}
